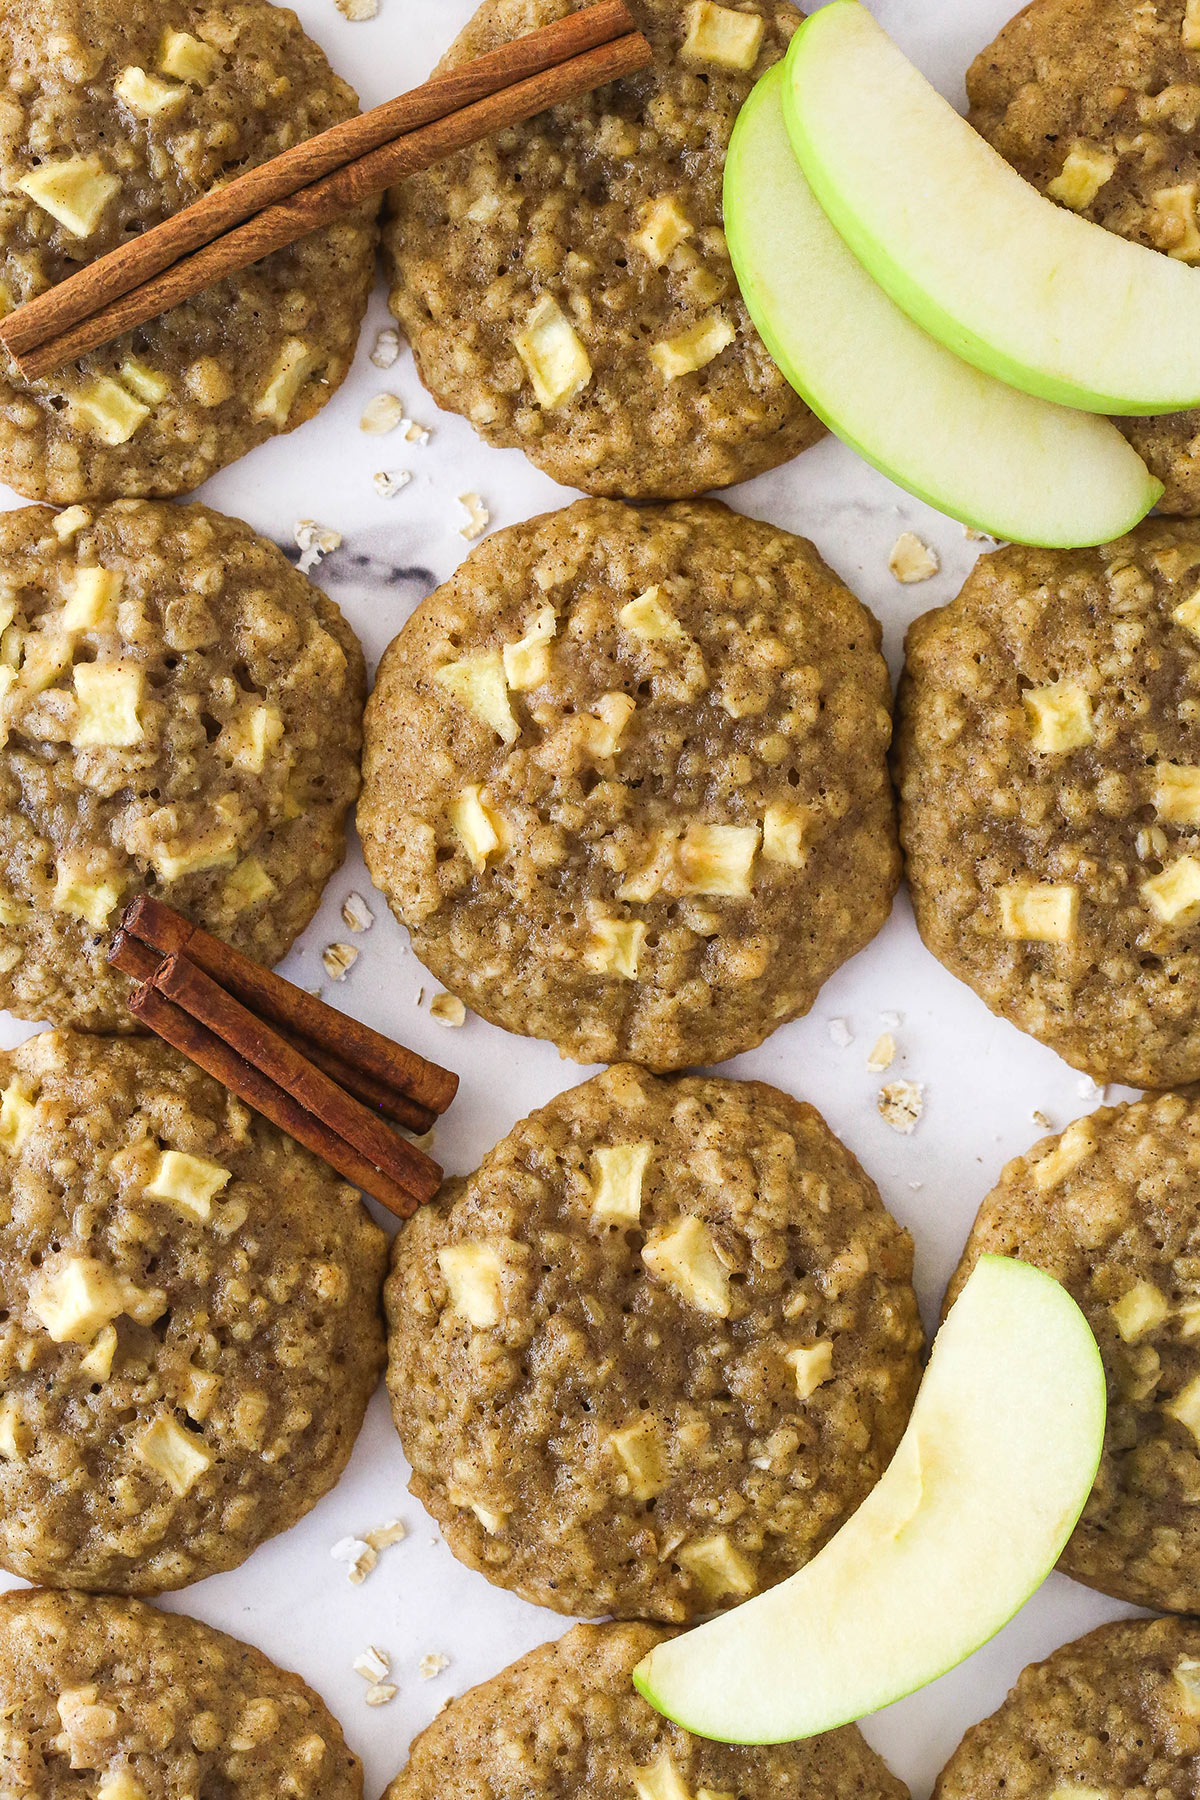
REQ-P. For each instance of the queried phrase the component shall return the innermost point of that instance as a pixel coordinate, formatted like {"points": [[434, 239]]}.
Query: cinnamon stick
{"points": [[72, 325], [398, 1068], [219, 1060]]}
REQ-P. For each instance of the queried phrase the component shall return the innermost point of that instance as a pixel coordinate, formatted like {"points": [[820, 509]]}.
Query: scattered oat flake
{"points": [[1087, 1089], [384, 1536], [388, 482], [387, 348], [431, 1664], [356, 913], [911, 560], [354, 10], [414, 433], [883, 1055], [381, 414], [379, 1693], [373, 1664], [338, 960], [841, 1033], [901, 1104], [478, 517], [359, 1557], [315, 541], [447, 1009], [1041, 1119]]}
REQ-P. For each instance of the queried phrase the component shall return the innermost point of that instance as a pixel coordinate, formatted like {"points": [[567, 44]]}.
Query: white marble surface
{"points": [[982, 1079]]}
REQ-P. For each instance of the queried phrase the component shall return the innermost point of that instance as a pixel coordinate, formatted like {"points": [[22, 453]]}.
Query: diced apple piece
{"points": [[81, 898], [662, 227], [718, 859], [692, 349], [201, 1388], [109, 411], [1186, 1673], [644, 883], [1039, 913], [527, 662], [44, 657], [1073, 1149], [145, 94], [187, 58], [16, 1439], [616, 947], [1177, 793], [648, 617], [1060, 716], [1186, 1407], [97, 1364], [294, 364], [17, 1110], [1139, 1310], [188, 1182], [247, 885], [1173, 221], [474, 1277], [717, 1567], [68, 523], [812, 1366], [1081, 177], [120, 1784], [557, 363], [718, 34], [109, 696], [250, 737], [75, 191], [76, 1297], [786, 829], [639, 1450], [479, 828], [613, 713], [660, 1780], [179, 1456], [478, 682], [143, 381], [683, 1256], [92, 603], [617, 1189], [1174, 895]]}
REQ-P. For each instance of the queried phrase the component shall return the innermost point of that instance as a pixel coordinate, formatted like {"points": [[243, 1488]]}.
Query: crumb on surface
{"points": [[883, 1054], [1041, 1119], [901, 1104], [338, 960], [431, 1664], [356, 913], [478, 517], [386, 349], [315, 541], [373, 1664], [841, 1033], [355, 10], [447, 1009], [384, 1536], [358, 1556], [912, 560], [891, 1021], [388, 482]]}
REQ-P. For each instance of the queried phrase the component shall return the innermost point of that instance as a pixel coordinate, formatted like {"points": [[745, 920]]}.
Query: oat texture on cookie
{"points": [[113, 1698], [1048, 750], [649, 1356], [1111, 1208], [625, 780], [573, 1724], [1097, 102], [191, 1320], [179, 712], [117, 114], [566, 285]]}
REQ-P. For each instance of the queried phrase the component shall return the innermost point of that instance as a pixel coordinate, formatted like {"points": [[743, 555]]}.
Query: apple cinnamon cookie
{"points": [[118, 113], [113, 1698], [573, 1724], [625, 780], [180, 711], [1115, 1713], [1097, 102], [566, 286], [1111, 1208], [653, 1352], [191, 1326], [1048, 751]]}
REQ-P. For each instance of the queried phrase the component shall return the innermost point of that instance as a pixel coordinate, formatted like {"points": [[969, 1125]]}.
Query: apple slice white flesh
{"points": [[970, 1516], [999, 460], [1002, 276]]}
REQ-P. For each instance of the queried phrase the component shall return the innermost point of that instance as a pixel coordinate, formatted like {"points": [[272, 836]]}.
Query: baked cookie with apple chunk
{"points": [[1111, 1208], [1097, 102], [1114, 1713], [566, 285], [1048, 752], [574, 1725], [113, 1697], [117, 114], [190, 1326], [654, 1351], [180, 712], [625, 780]]}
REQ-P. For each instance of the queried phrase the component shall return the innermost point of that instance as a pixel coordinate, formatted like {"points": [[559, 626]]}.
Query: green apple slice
{"points": [[970, 1516], [1002, 276], [1010, 465]]}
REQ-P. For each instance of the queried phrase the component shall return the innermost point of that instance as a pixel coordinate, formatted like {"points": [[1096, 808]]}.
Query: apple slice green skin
{"points": [[1001, 461], [969, 1518], [1022, 288]]}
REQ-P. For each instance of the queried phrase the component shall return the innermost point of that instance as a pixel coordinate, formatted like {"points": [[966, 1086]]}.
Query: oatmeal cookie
{"points": [[191, 1321], [112, 1697], [116, 114], [653, 1352], [1116, 1713], [180, 711], [1049, 761], [1097, 102], [566, 285], [625, 781], [573, 1724], [1111, 1208]]}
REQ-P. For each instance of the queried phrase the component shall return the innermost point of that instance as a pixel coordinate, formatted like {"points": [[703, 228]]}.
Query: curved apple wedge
{"points": [[970, 250], [997, 459], [970, 1516]]}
